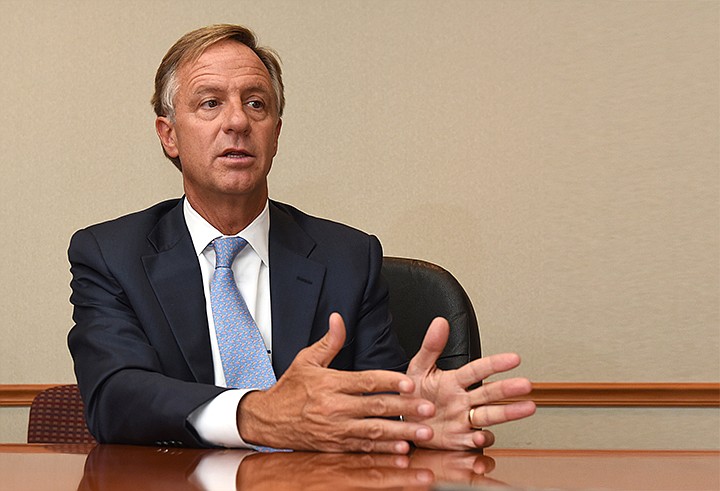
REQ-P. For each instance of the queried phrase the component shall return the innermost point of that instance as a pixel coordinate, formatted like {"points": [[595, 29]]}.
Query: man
{"points": [[150, 341]]}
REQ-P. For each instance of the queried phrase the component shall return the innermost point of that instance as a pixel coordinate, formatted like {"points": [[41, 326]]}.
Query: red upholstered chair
{"points": [[56, 416]]}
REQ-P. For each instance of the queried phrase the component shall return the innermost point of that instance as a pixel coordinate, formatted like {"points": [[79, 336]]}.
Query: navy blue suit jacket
{"points": [[141, 345]]}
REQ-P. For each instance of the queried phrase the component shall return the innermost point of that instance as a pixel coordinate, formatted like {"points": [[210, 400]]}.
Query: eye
{"points": [[256, 104], [210, 103]]}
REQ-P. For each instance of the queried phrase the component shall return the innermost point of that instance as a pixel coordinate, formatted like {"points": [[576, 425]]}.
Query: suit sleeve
{"points": [[128, 393], [377, 346]]}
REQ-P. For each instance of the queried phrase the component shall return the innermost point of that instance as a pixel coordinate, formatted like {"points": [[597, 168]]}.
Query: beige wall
{"points": [[560, 157]]}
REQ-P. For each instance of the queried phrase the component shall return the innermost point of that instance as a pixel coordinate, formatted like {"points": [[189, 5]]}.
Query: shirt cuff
{"points": [[216, 420]]}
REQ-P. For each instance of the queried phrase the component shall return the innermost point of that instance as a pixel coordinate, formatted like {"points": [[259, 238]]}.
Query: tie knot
{"points": [[226, 248]]}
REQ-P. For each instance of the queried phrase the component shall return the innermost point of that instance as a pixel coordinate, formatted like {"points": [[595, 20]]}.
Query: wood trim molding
{"points": [[563, 394], [17, 395], [554, 394]]}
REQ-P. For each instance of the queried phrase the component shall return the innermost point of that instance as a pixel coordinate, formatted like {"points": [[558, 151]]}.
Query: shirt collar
{"points": [[202, 233]]}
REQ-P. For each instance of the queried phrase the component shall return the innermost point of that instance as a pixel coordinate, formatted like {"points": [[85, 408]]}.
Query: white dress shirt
{"points": [[216, 421]]}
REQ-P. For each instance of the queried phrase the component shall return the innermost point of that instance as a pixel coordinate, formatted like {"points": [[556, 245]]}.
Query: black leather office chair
{"points": [[421, 291]]}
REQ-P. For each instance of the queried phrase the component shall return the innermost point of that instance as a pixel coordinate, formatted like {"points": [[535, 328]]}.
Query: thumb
{"points": [[432, 346], [322, 352]]}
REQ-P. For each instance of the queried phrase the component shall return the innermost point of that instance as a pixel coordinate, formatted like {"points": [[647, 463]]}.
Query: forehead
{"points": [[225, 59]]}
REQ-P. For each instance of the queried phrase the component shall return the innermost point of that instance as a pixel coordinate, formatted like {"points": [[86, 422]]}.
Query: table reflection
{"points": [[111, 467]]}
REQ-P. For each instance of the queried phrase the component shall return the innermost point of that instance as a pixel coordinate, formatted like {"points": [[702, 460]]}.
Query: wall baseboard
{"points": [[545, 394]]}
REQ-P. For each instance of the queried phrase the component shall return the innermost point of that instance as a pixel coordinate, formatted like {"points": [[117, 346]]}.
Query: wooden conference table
{"points": [[120, 467]]}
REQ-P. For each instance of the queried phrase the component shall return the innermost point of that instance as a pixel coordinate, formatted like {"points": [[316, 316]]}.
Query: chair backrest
{"points": [[421, 291], [56, 416]]}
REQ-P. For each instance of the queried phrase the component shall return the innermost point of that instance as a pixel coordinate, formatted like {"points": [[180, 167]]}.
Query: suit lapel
{"points": [[174, 274], [295, 284]]}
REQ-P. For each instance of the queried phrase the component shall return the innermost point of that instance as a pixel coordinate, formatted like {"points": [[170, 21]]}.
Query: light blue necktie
{"points": [[244, 357]]}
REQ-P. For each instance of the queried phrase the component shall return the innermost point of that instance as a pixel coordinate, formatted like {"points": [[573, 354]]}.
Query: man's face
{"points": [[226, 125]]}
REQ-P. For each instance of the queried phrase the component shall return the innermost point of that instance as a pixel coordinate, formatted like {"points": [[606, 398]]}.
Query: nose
{"points": [[235, 120]]}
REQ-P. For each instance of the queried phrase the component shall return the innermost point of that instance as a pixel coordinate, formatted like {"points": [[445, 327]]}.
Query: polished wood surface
{"points": [[120, 467]]}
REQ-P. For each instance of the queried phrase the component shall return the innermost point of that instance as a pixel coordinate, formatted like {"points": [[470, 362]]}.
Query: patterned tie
{"points": [[244, 357]]}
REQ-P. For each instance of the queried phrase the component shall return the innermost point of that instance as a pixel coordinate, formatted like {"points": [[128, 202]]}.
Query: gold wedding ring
{"points": [[471, 413]]}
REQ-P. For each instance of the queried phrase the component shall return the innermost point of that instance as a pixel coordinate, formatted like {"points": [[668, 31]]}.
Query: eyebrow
{"points": [[210, 88], [206, 89]]}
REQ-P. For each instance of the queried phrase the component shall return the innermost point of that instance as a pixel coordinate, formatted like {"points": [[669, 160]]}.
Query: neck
{"points": [[229, 216]]}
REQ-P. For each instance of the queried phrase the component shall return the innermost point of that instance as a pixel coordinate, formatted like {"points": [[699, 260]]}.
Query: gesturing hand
{"points": [[313, 407], [452, 428]]}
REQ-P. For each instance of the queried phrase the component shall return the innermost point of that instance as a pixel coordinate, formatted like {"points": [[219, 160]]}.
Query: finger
{"points": [[371, 381], [388, 405], [500, 390], [386, 430], [496, 414], [480, 369], [323, 351], [483, 438], [432, 346]]}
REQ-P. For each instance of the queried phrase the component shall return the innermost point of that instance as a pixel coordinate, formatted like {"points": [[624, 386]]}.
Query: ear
{"points": [[277, 135], [165, 129]]}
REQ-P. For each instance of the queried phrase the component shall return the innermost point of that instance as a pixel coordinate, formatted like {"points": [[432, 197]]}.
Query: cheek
{"points": [[190, 131], [194, 142]]}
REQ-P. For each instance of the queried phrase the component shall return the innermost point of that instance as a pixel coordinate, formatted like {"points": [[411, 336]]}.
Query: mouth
{"points": [[236, 153]]}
